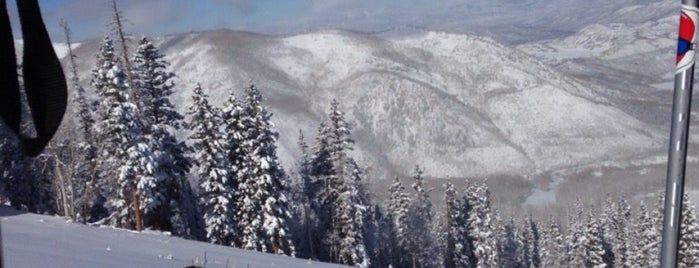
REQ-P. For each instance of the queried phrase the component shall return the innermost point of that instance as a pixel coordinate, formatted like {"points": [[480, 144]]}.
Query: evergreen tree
{"points": [[351, 223], [154, 86], [398, 205], [386, 252], [217, 194], [305, 232], [553, 252], [620, 236], [106, 59], [532, 244], [481, 226], [646, 249], [611, 226], [509, 246], [262, 206], [421, 244], [338, 187], [126, 151], [458, 249], [321, 164], [450, 254], [593, 243], [235, 130], [325, 189], [576, 239], [689, 236]]}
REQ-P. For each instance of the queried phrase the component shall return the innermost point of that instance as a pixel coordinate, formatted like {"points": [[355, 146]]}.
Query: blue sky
{"points": [[505, 20], [88, 18]]}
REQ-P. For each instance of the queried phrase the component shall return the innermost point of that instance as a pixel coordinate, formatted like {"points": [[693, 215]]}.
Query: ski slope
{"points": [[31, 240]]}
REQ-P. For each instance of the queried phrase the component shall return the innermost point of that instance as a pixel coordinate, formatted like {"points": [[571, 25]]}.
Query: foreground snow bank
{"points": [[31, 240]]}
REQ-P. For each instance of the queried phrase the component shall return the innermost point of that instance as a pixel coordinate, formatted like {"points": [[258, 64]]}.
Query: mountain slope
{"points": [[459, 105], [628, 61]]}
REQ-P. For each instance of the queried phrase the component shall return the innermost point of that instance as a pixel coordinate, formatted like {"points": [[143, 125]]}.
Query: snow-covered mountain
{"points": [[459, 105], [629, 61], [517, 22]]}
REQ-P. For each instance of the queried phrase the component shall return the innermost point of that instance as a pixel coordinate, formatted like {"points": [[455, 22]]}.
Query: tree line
{"points": [[123, 165]]}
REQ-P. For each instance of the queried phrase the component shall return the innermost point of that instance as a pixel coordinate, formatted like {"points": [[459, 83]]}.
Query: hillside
{"points": [[459, 105], [31, 240]]}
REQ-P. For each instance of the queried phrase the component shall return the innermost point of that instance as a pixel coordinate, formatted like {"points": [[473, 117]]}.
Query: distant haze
{"points": [[504, 20]]}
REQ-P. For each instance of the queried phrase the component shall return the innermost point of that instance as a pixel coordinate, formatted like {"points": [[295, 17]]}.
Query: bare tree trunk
{"points": [[308, 232], [118, 23], [275, 244], [62, 188], [137, 210], [71, 186]]}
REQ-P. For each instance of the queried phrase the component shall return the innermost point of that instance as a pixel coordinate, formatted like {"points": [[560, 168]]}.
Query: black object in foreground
{"points": [[44, 81]]}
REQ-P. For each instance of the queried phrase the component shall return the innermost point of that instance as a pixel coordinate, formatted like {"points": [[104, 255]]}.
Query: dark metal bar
{"points": [[677, 155]]}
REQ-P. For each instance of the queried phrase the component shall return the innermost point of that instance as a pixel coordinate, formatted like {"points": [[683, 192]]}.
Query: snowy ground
{"points": [[31, 240]]}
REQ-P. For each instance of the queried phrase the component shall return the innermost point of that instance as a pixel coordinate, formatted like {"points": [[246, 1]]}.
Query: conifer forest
{"points": [[213, 174]]}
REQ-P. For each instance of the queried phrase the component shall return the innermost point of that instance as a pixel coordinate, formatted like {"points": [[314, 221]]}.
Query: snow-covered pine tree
{"points": [[689, 236], [421, 243], [645, 250], [458, 251], [153, 85], [531, 237], [554, 253], [262, 207], [321, 164], [509, 245], [106, 59], [543, 252], [617, 233], [352, 216], [126, 149], [610, 227], [624, 234], [450, 240], [593, 243], [397, 206], [464, 230], [210, 155], [385, 241], [576, 238], [481, 226], [233, 131], [323, 190], [305, 232], [338, 187]]}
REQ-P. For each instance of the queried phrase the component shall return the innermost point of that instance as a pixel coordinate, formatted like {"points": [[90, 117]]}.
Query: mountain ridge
{"points": [[447, 102]]}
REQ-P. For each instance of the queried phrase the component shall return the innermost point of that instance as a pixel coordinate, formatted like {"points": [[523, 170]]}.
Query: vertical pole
{"points": [[677, 155]]}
